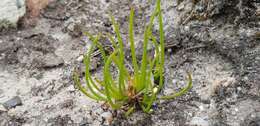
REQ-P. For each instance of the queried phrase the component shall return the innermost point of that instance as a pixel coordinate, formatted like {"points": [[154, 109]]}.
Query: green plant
{"points": [[131, 89]]}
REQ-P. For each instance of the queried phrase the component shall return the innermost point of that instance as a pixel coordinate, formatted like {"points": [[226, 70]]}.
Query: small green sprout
{"points": [[130, 90]]}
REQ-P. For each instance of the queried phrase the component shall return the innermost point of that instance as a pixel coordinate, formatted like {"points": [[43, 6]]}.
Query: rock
{"points": [[174, 81], [2, 108], [199, 121], [50, 60], [108, 116], [80, 58], [12, 103], [12, 10], [71, 88], [180, 7]]}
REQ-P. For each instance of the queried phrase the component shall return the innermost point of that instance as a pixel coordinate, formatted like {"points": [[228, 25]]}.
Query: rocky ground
{"points": [[218, 41]]}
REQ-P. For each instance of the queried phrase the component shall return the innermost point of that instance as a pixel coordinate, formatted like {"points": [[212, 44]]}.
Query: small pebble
{"points": [[233, 112], [180, 7], [174, 81], [108, 116], [2, 108], [201, 107], [80, 58], [187, 28], [239, 88], [12, 103], [71, 88], [169, 50], [182, 83]]}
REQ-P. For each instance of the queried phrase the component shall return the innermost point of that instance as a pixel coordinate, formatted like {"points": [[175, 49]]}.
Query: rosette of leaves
{"points": [[130, 90]]}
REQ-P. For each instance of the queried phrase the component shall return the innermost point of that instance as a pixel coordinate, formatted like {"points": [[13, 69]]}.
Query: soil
{"points": [[218, 42]]}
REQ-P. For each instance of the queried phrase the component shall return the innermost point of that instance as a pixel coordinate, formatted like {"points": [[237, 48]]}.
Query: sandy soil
{"points": [[217, 41]]}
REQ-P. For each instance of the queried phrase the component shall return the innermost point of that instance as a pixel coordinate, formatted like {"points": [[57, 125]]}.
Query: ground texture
{"points": [[218, 41]]}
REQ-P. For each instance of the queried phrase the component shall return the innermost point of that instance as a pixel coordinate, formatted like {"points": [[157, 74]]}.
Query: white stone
{"points": [[80, 58], [2, 108], [12, 10], [71, 88], [201, 107], [174, 81], [108, 116], [180, 7], [239, 88], [198, 121]]}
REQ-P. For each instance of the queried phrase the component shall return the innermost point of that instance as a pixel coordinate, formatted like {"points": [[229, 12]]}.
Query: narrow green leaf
{"points": [[107, 80], [183, 91], [121, 55], [161, 69], [87, 75], [109, 36], [129, 111], [131, 38], [81, 88]]}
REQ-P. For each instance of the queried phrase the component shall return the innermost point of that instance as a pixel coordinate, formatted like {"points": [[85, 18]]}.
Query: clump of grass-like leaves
{"points": [[131, 89]]}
